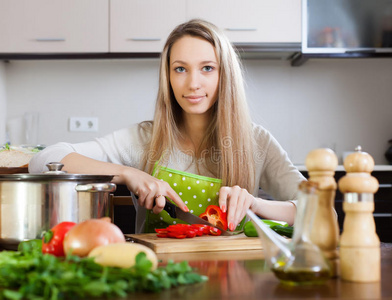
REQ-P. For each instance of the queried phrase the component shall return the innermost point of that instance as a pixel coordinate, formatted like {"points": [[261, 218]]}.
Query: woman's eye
{"points": [[180, 69], [208, 68]]}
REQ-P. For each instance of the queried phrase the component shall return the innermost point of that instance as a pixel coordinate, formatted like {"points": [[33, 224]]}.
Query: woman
{"points": [[201, 133]]}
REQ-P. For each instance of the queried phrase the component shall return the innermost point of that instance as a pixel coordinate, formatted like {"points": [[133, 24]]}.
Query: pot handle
{"points": [[96, 187]]}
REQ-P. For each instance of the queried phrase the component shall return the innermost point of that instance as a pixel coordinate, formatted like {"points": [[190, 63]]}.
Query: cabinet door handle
{"points": [[50, 39], [382, 215], [385, 185], [145, 39], [241, 29]]}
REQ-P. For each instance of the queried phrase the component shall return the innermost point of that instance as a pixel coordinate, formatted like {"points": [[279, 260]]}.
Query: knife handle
{"points": [[170, 208]]}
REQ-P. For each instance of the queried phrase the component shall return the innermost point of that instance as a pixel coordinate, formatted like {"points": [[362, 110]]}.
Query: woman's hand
{"points": [[237, 201], [149, 189]]}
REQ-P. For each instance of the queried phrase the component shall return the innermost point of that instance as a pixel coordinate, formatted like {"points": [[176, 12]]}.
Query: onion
{"points": [[87, 235]]}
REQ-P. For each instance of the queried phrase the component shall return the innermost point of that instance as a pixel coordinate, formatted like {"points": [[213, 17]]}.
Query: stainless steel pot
{"points": [[33, 203]]}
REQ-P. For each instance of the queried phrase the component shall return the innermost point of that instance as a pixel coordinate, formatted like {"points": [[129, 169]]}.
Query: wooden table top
{"points": [[244, 275]]}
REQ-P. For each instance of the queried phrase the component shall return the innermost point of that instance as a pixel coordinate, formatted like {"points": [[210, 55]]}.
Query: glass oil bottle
{"points": [[307, 264], [299, 261]]}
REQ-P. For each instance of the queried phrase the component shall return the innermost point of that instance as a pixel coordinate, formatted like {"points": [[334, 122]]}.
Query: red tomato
{"points": [[52, 241]]}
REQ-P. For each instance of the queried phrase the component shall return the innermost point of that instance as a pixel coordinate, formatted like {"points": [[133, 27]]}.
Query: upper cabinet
{"points": [[252, 21], [143, 25], [54, 26], [137, 26]]}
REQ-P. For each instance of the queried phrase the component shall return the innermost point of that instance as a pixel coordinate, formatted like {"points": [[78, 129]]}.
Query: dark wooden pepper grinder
{"points": [[321, 165], [360, 252]]}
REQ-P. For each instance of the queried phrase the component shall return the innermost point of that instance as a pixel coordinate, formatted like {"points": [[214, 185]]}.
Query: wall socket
{"points": [[83, 124]]}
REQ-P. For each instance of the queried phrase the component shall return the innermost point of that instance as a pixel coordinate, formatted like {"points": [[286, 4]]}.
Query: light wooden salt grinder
{"points": [[359, 244], [321, 165]]}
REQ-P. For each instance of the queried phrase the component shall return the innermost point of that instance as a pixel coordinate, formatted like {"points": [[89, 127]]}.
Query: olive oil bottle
{"points": [[306, 264], [302, 277]]}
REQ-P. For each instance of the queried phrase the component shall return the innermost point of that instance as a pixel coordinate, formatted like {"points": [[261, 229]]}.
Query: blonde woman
{"points": [[200, 149]]}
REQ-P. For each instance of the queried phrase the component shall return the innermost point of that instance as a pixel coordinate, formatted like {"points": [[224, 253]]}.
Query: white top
{"points": [[275, 173]]}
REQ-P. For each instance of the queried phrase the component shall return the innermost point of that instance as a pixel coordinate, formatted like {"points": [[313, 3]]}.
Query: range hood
{"points": [[345, 29], [270, 51]]}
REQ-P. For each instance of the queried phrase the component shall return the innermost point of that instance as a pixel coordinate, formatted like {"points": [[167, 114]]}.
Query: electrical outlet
{"points": [[83, 124]]}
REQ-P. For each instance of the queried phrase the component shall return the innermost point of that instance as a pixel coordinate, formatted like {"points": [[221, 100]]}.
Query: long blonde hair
{"points": [[227, 146]]}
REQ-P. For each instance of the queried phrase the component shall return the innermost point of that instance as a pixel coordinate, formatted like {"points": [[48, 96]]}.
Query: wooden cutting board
{"points": [[203, 243]]}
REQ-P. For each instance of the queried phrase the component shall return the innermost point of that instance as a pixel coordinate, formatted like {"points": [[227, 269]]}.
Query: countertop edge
{"points": [[341, 168]]}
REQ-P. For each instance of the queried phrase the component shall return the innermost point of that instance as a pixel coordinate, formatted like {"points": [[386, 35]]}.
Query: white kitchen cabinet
{"points": [[143, 25], [252, 21], [131, 26], [54, 26]]}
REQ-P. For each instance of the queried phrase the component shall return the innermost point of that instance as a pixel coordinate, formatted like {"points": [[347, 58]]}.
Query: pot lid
{"points": [[55, 174], [82, 178]]}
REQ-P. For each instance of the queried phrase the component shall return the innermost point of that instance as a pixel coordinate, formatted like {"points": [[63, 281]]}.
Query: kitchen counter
{"points": [[244, 275], [302, 168]]}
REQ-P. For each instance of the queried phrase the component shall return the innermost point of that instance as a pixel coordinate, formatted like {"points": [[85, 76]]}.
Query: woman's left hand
{"points": [[236, 201]]}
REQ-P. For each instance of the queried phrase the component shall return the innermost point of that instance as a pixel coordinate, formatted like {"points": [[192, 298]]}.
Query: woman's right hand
{"points": [[147, 188], [151, 192]]}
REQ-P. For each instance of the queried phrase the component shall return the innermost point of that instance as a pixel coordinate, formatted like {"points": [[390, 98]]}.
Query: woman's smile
{"points": [[194, 99]]}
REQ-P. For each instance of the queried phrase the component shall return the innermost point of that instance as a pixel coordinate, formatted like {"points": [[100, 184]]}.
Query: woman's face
{"points": [[194, 74]]}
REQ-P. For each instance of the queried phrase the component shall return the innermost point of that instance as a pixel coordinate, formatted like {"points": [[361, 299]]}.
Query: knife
{"points": [[176, 213]]}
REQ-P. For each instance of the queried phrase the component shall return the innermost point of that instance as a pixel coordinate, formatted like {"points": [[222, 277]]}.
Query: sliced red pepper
{"points": [[215, 231], [161, 232], [202, 229], [191, 233], [52, 241], [215, 216], [177, 235], [181, 231]]}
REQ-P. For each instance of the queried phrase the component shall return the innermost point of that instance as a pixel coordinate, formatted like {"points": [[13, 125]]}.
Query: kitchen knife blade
{"points": [[176, 213]]}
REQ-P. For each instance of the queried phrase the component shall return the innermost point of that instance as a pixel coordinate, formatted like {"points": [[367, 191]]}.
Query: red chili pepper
{"points": [[215, 216], [52, 241]]}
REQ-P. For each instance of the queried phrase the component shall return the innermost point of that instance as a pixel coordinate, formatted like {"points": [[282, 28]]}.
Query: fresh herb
{"points": [[33, 275], [5, 147], [30, 246]]}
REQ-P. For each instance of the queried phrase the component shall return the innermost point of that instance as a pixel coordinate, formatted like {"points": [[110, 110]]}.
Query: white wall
{"points": [[3, 106], [332, 103], [324, 103]]}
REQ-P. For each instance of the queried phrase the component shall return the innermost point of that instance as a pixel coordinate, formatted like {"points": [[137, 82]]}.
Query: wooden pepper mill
{"points": [[321, 165], [359, 244]]}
